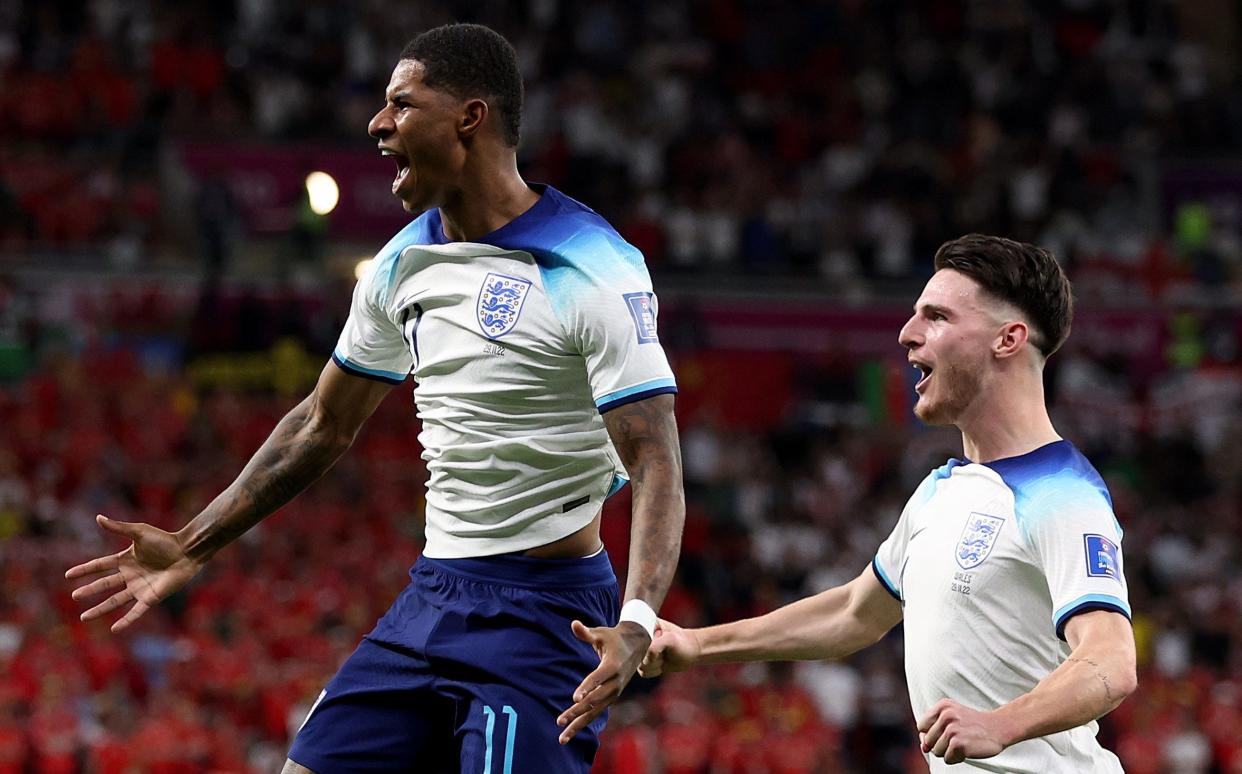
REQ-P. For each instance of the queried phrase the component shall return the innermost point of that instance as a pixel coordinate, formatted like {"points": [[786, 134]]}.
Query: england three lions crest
{"points": [[500, 303], [978, 537]]}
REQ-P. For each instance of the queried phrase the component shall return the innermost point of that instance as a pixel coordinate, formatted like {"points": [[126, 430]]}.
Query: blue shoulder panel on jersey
{"points": [[423, 230], [1085, 603], [1053, 478], [586, 259], [928, 486], [574, 247]]}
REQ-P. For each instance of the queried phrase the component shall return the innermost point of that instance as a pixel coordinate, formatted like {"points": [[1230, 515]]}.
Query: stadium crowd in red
{"points": [[219, 677], [837, 139], [842, 140]]}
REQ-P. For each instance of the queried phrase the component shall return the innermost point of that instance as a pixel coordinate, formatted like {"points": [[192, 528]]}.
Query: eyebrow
{"points": [[405, 95], [932, 309]]}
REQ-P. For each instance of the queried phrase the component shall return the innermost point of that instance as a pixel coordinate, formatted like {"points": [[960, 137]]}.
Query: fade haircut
{"points": [[472, 61], [1022, 274]]}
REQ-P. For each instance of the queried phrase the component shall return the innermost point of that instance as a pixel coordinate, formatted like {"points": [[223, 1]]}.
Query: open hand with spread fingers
{"points": [[672, 650], [620, 648], [150, 570], [955, 733]]}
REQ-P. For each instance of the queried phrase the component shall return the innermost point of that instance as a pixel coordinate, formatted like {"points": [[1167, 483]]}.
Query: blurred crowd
{"points": [[837, 138], [840, 140], [113, 418]]}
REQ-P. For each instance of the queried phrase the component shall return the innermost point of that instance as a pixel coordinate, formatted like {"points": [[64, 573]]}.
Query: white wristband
{"points": [[640, 613]]}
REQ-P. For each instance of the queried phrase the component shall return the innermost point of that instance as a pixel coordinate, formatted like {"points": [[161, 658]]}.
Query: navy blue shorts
{"points": [[467, 671]]}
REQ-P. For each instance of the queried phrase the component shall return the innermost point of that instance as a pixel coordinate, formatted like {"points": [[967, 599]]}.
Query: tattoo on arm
{"points": [[1099, 672], [300, 450], [645, 434]]}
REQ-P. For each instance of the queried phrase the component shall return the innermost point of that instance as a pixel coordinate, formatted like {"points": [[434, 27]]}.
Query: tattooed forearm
{"points": [[300, 450], [645, 434], [1099, 672]]}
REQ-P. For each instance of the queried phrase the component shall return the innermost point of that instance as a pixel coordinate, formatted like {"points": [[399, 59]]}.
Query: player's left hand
{"points": [[955, 733], [620, 649]]}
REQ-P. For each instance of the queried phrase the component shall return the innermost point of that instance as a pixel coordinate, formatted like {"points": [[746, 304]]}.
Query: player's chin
{"points": [[414, 201], [931, 413], [407, 193]]}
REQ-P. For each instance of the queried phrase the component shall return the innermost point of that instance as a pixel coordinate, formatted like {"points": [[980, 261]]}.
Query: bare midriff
{"points": [[584, 542]]}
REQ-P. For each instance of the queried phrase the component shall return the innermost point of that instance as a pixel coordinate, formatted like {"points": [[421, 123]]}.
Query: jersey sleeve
{"points": [[890, 558], [372, 344], [609, 313], [1077, 541]]}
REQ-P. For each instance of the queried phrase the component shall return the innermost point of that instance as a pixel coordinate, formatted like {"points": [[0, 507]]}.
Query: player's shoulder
{"points": [[927, 487], [1053, 467], [1055, 479], [570, 235], [381, 274]]}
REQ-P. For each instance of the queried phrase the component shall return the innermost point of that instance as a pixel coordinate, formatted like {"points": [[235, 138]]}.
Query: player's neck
{"points": [[1009, 420], [490, 196]]}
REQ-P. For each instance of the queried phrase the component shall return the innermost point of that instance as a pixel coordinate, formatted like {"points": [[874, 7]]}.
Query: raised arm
{"points": [[304, 445], [1096, 676], [828, 625], [645, 436]]}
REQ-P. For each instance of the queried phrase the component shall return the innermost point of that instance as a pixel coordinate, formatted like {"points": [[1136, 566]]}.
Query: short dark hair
{"points": [[470, 60], [1025, 275]]}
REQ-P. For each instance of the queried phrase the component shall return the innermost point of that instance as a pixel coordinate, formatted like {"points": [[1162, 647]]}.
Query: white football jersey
{"points": [[989, 562], [518, 343]]}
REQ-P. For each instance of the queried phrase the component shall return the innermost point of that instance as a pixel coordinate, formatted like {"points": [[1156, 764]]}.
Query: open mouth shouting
{"points": [[403, 166], [925, 370]]}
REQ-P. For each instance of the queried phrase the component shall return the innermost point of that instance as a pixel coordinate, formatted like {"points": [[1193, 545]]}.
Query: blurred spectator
{"points": [[833, 142], [832, 139], [220, 676]]}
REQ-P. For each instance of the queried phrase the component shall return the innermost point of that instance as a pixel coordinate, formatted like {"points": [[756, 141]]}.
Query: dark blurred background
{"points": [[168, 289]]}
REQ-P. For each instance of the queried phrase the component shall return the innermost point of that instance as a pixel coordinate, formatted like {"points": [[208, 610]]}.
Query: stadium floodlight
{"points": [[361, 268], [323, 192]]}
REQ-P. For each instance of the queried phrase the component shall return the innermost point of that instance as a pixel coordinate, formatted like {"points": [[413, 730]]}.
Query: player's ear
{"points": [[1011, 338], [473, 114]]}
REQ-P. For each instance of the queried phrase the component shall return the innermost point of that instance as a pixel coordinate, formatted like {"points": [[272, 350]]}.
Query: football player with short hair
{"points": [[529, 326], [1005, 565]]}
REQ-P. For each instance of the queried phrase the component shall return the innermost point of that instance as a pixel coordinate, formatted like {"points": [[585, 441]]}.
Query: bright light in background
{"points": [[361, 268], [323, 192]]}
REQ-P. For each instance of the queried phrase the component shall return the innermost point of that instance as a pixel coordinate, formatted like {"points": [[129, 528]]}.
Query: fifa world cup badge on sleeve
{"points": [[978, 537], [500, 303], [642, 309], [1102, 557]]}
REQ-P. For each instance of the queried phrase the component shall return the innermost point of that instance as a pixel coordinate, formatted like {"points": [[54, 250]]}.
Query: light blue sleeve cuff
{"points": [[636, 393], [388, 377]]}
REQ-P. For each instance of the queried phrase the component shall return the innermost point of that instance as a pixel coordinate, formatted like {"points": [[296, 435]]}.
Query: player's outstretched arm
{"points": [[1098, 674], [645, 436], [828, 625], [304, 445]]}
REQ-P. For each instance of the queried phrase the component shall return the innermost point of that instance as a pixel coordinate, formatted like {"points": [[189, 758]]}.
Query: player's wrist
{"points": [[194, 550], [1008, 728], [638, 612]]}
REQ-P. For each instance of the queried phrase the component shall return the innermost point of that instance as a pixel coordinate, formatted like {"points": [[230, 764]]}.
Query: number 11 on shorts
{"points": [[490, 732]]}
